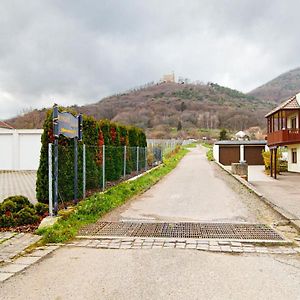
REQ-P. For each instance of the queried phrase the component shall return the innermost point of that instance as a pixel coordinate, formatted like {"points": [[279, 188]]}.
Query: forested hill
{"points": [[168, 109], [280, 88]]}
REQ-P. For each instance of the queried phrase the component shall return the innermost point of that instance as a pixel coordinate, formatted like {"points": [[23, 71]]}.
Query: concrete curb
{"points": [[285, 214], [144, 173]]}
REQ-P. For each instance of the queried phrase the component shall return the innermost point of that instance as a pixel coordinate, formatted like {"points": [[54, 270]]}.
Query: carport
{"points": [[228, 152]]}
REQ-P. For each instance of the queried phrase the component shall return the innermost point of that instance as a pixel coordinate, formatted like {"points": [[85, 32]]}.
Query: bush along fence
{"points": [[108, 153]]}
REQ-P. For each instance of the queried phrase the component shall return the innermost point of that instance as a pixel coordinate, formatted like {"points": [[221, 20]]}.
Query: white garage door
{"points": [[6, 152], [30, 147]]}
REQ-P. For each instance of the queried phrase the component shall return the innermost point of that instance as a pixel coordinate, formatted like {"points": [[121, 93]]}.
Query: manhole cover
{"points": [[228, 231]]}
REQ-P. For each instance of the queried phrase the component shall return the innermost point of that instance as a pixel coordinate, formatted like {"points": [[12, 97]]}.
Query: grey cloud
{"points": [[80, 51]]}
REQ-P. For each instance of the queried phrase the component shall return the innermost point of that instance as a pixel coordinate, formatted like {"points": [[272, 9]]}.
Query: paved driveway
{"points": [[194, 191], [283, 192], [18, 183]]}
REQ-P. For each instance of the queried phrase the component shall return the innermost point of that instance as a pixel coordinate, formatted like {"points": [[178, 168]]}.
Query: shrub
{"points": [[41, 209], [19, 201], [267, 160], [17, 210], [8, 206], [26, 215], [7, 220]]}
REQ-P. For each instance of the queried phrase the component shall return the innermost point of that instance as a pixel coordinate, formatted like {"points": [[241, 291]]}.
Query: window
{"points": [[294, 123], [294, 156]]}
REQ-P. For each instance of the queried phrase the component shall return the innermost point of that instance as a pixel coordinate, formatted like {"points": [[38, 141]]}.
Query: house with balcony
{"points": [[283, 125]]}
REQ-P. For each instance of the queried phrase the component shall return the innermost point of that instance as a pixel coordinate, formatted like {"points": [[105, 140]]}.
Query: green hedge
{"points": [[95, 135]]}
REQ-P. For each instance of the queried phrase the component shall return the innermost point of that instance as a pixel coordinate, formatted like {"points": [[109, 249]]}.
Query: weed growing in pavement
{"points": [[91, 209]]}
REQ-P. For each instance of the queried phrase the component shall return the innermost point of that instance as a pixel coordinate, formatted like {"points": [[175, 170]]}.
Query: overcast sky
{"points": [[76, 52]]}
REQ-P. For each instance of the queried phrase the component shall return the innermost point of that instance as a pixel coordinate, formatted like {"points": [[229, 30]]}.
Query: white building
{"points": [[284, 130], [19, 148]]}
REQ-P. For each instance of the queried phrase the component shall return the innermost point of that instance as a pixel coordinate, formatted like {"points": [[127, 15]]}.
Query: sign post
{"points": [[64, 123], [75, 169], [56, 135], [50, 179]]}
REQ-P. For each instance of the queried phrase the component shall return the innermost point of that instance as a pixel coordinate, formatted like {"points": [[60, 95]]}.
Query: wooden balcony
{"points": [[283, 137]]}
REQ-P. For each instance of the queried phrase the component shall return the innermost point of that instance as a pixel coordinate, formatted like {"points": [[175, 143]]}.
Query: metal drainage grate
{"points": [[183, 230]]}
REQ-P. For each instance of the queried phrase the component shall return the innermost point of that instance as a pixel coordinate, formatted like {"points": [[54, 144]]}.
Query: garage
{"points": [[228, 152], [253, 155]]}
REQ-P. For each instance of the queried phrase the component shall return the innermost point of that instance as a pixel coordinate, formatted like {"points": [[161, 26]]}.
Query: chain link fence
{"points": [[98, 168]]}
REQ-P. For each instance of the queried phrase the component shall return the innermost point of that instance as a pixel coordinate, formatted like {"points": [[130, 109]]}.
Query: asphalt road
{"points": [[81, 273], [195, 191]]}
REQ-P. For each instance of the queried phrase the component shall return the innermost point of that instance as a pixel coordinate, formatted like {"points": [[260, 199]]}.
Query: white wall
{"points": [[216, 153], [20, 149], [293, 167]]}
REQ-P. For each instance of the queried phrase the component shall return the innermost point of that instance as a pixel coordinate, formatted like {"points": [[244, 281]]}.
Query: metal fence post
{"points": [[50, 192], [83, 172], [146, 166], [137, 159], [103, 167], [125, 155]]}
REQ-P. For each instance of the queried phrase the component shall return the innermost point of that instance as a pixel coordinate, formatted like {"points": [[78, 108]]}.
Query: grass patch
{"points": [[209, 152], [94, 207], [207, 145], [210, 155], [192, 145]]}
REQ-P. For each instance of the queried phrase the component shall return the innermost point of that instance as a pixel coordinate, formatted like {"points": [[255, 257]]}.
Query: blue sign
{"points": [[66, 124]]}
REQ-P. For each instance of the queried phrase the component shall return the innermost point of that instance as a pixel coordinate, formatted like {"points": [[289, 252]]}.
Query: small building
{"points": [[242, 136], [167, 78], [228, 152], [283, 124]]}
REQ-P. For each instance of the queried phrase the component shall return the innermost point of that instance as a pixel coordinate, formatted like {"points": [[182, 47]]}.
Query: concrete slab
{"points": [[12, 268], [4, 276], [16, 244], [26, 260], [283, 192]]}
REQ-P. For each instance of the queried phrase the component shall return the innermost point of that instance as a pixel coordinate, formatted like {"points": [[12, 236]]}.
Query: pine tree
{"points": [[179, 126], [223, 135]]}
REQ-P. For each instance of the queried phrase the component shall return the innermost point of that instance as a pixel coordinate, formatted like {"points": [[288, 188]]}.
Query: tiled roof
{"points": [[5, 125], [290, 103]]}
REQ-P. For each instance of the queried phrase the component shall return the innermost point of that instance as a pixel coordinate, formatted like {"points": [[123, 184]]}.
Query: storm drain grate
{"points": [[183, 230]]}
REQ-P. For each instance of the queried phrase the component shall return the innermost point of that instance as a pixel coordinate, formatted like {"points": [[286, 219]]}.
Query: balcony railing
{"points": [[284, 137]]}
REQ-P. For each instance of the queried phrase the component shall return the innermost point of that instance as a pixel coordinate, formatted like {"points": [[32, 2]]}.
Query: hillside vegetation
{"points": [[280, 88], [172, 110]]}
